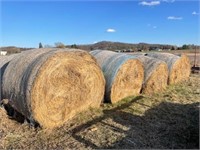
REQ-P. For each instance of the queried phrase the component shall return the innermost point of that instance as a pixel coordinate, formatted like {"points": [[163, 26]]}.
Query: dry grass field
{"points": [[163, 120]]}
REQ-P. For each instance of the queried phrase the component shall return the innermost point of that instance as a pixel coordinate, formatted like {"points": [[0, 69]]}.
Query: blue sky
{"points": [[26, 23]]}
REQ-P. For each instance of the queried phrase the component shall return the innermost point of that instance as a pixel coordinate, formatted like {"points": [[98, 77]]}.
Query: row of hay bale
{"points": [[179, 66], [50, 86], [124, 73]]}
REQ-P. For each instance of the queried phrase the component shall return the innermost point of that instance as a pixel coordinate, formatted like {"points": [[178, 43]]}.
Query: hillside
{"points": [[13, 49], [108, 45], [125, 46]]}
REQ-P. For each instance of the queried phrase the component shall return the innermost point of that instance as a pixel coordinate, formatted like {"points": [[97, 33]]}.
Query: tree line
{"points": [[123, 46]]}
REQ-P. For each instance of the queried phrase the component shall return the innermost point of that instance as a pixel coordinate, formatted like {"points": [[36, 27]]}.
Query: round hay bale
{"points": [[49, 86], [4, 60], [123, 73], [179, 67], [155, 74]]}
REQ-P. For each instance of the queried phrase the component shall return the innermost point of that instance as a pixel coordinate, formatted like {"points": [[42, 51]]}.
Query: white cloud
{"points": [[152, 3], [174, 18], [168, 1], [195, 13], [111, 30]]}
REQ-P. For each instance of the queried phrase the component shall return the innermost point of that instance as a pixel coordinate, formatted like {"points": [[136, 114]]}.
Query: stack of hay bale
{"points": [[50, 86], [160, 69], [178, 67]]}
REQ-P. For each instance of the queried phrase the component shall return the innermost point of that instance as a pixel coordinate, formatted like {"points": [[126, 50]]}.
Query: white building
{"points": [[3, 52]]}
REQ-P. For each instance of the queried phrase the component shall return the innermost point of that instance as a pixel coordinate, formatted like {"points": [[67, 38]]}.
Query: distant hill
{"points": [[107, 45], [13, 49]]}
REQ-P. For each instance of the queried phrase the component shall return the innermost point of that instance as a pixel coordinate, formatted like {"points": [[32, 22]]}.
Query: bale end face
{"points": [[128, 81], [186, 67], [65, 85], [180, 70], [157, 81]]}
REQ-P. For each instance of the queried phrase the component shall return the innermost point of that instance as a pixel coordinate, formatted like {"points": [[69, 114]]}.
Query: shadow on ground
{"points": [[167, 125]]}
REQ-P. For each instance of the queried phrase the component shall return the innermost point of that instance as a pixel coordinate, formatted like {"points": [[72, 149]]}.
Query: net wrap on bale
{"points": [[179, 67], [123, 73], [49, 86]]}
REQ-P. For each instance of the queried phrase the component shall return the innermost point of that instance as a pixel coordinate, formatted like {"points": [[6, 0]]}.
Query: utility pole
{"points": [[195, 56]]}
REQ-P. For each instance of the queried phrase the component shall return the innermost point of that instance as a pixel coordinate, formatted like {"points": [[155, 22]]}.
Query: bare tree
{"points": [[59, 45]]}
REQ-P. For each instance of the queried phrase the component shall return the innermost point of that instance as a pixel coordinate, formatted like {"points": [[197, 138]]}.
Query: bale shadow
{"points": [[106, 114], [167, 125]]}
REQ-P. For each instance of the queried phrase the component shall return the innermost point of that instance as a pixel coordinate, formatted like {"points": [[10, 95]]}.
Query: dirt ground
{"points": [[164, 120]]}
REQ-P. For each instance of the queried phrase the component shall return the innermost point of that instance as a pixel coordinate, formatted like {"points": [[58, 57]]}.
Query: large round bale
{"points": [[49, 86], [4, 60], [179, 67], [123, 73], [155, 74]]}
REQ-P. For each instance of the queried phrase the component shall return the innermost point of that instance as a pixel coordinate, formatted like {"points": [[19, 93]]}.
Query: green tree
{"points": [[74, 46], [185, 46], [40, 45]]}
